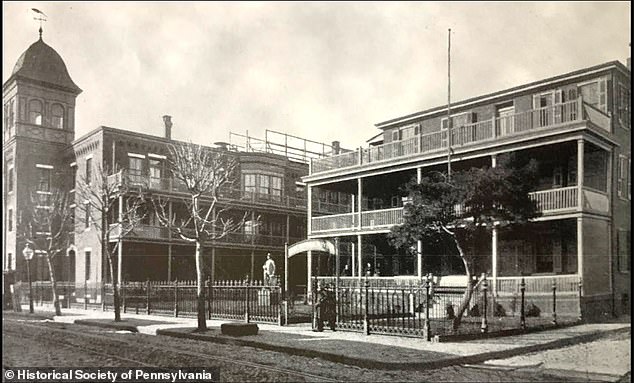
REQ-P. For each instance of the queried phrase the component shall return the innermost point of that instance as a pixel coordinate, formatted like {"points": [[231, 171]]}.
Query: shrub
{"points": [[533, 311], [499, 310], [450, 312], [474, 311]]}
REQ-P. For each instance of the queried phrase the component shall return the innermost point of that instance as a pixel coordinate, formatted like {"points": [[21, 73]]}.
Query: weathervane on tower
{"points": [[40, 16]]}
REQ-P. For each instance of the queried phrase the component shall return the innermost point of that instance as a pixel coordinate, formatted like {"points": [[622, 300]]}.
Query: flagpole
{"points": [[449, 106]]}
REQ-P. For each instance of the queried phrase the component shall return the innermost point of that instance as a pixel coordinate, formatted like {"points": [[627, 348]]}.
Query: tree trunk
{"points": [[115, 290], [51, 273], [466, 298], [200, 287]]}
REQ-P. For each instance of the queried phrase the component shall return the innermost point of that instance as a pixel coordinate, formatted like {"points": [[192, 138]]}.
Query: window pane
{"points": [[263, 184], [44, 180], [155, 168], [87, 266], [88, 170]]}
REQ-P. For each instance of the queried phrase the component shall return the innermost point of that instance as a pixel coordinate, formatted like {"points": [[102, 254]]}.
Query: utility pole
{"points": [[449, 106]]}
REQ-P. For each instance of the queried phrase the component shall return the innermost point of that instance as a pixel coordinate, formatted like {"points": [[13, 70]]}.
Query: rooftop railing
{"points": [[468, 134]]}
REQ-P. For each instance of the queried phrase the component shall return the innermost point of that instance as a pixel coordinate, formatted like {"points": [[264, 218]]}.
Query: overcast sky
{"points": [[323, 71]]}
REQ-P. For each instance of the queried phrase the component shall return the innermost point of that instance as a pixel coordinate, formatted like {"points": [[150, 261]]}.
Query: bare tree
{"points": [[201, 173], [114, 210], [46, 225]]}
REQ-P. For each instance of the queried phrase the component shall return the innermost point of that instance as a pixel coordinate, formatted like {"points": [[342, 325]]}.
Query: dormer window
{"points": [[57, 119], [35, 112]]}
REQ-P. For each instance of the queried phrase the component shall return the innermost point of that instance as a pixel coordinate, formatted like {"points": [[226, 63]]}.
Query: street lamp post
{"points": [[28, 254]]}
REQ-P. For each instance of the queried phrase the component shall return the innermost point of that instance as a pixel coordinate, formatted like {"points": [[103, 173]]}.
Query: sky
{"points": [[322, 71]]}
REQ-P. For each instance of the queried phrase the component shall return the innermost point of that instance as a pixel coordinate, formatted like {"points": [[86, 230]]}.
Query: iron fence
{"points": [[426, 310], [250, 301]]}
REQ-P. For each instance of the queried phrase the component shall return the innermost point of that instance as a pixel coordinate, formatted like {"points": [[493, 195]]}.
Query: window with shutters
{"points": [[623, 106], [595, 93], [623, 179]]}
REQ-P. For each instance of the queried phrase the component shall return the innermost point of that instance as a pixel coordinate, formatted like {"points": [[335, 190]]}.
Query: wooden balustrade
{"points": [[556, 199], [538, 284], [462, 135]]}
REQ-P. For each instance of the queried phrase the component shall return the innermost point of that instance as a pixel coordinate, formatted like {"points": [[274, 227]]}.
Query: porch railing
{"points": [[556, 199], [333, 222], [538, 284], [464, 135], [382, 218], [150, 232]]}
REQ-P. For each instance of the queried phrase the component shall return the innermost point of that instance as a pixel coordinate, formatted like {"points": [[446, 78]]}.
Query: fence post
{"points": [[554, 301], [103, 295], [281, 305], [366, 327], [85, 294], [246, 301], [485, 326], [522, 316], [428, 281], [580, 286], [122, 289], [209, 292], [176, 298], [147, 296]]}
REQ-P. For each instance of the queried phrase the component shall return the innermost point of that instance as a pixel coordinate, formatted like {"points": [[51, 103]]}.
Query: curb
{"points": [[378, 364], [116, 326]]}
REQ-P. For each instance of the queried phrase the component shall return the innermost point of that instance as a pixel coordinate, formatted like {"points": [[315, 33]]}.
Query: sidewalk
{"points": [[373, 351]]}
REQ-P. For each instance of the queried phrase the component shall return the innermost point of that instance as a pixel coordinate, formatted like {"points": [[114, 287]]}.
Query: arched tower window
{"points": [[57, 112], [35, 112]]}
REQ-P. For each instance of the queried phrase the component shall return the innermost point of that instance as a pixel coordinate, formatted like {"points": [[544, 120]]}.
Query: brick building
{"points": [[40, 153]]}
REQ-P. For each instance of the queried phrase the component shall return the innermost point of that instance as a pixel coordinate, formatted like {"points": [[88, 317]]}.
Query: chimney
{"points": [[223, 146], [335, 147], [167, 120]]}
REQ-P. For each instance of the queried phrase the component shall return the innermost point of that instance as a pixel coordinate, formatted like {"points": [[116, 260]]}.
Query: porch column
{"points": [[494, 246], [253, 245], [580, 251], [309, 209], [359, 259], [352, 257], [309, 274], [494, 260], [580, 174], [359, 200], [419, 243]]}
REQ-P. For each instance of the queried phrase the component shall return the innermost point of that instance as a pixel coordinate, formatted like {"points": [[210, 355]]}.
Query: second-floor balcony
{"points": [[162, 234], [514, 125], [229, 194], [549, 202]]}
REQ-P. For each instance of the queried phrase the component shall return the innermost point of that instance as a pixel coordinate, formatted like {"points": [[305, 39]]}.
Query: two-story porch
{"points": [[573, 196]]}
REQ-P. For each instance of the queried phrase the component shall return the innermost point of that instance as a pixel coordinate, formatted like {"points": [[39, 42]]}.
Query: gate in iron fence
{"points": [[246, 300]]}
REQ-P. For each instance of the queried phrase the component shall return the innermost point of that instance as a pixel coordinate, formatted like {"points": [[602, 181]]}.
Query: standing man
{"points": [[269, 270]]}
